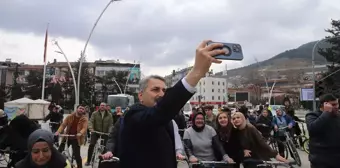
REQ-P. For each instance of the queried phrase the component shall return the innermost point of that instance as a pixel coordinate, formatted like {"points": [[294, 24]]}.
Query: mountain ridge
{"points": [[302, 54]]}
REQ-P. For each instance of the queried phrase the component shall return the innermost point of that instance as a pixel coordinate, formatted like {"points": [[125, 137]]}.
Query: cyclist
{"points": [[201, 141], [41, 152], [101, 121], [253, 144], [75, 124], [56, 117], [279, 121], [264, 124]]}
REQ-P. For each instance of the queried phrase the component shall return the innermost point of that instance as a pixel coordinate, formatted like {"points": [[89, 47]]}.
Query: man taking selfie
{"points": [[147, 136]]}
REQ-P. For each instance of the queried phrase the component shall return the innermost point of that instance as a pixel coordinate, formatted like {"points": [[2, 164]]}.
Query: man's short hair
{"points": [[143, 84], [327, 98]]}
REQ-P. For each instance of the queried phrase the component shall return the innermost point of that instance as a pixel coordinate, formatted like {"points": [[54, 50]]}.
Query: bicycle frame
{"points": [[98, 148], [66, 151]]}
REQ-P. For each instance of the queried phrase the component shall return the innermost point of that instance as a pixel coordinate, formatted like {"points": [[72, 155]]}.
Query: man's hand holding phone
{"points": [[327, 107]]}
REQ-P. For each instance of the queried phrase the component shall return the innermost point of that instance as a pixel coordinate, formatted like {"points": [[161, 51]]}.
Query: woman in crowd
{"points": [[264, 124], [16, 137], [252, 143], [41, 152], [228, 137], [202, 143]]}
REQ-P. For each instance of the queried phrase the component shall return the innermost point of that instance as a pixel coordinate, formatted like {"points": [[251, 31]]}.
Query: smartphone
{"points": [[235, 51]]}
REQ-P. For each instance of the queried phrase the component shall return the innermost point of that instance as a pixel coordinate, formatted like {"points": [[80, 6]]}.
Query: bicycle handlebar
{"points": [[66, 135], [269, 163], [101, 133], [211, 162], [112, 159], [283, 128]]}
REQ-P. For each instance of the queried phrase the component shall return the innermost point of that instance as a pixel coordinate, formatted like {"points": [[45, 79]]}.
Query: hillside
{"points": [[300, 56]]}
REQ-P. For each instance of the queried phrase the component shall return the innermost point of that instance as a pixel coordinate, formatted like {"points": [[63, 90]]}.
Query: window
{"points": [[218, 97], [223, 83], [203, 82], [219, 90], [218, 83], [203, 90], [223, 91], [212, 90], [212, 82], [212, 97]]}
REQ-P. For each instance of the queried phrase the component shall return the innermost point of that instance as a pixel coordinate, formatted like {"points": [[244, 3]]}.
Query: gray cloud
{"points": [[166, 32]]}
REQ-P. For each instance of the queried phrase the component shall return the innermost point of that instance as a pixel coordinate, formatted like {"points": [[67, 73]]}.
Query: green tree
{"points": [[109, 82], [330, 80]]}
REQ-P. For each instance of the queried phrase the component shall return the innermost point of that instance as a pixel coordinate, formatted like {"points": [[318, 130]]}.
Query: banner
{"points": [[134, 75]]}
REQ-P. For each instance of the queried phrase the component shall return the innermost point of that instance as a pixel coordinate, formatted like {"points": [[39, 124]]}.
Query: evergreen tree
{"points": [[330, 80]]}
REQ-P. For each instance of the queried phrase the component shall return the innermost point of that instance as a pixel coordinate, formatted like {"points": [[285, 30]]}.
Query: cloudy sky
{"points": [[162, 34]]}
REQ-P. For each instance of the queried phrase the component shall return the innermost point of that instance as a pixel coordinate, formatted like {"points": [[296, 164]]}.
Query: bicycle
{"points": [[290, 147], [66, 152], [305, 141], [263, 163], [9, 152], [98, 148], [303, 137], [211, 164]]}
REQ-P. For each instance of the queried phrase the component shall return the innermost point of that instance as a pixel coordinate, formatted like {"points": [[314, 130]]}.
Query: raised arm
{"points": [[317, 123], [176, 97]]}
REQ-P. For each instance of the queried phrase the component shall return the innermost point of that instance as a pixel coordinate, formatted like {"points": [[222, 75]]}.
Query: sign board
{"points": [[307, 94]]}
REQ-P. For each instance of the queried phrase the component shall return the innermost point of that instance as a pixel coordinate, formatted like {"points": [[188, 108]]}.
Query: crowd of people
{"points": [[154, 132]]}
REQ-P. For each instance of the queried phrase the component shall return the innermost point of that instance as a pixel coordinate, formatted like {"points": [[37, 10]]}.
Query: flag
{"points": [[45, 45]]}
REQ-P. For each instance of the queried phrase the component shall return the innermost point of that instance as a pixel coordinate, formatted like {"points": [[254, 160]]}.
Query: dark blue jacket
{"points": [[324, 138], [147, 138]]}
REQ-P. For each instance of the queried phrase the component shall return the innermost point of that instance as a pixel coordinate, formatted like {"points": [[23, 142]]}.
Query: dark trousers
{"points": [[297, 131], [54, 128], [75, 149], [280, 145], [93, 141]]}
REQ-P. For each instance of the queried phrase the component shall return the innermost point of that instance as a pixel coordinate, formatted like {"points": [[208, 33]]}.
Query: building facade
{"points": [[210, 90]]}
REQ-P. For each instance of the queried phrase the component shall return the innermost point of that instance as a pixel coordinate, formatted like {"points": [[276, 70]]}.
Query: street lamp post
{"points": [[313, 67], [120, 89], [82, 54], [69, 65], [271, 92]]}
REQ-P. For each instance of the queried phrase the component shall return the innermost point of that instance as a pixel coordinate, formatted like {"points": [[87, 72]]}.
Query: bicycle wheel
{"points": [[306, 145], [94, 160], [294, 152]]}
